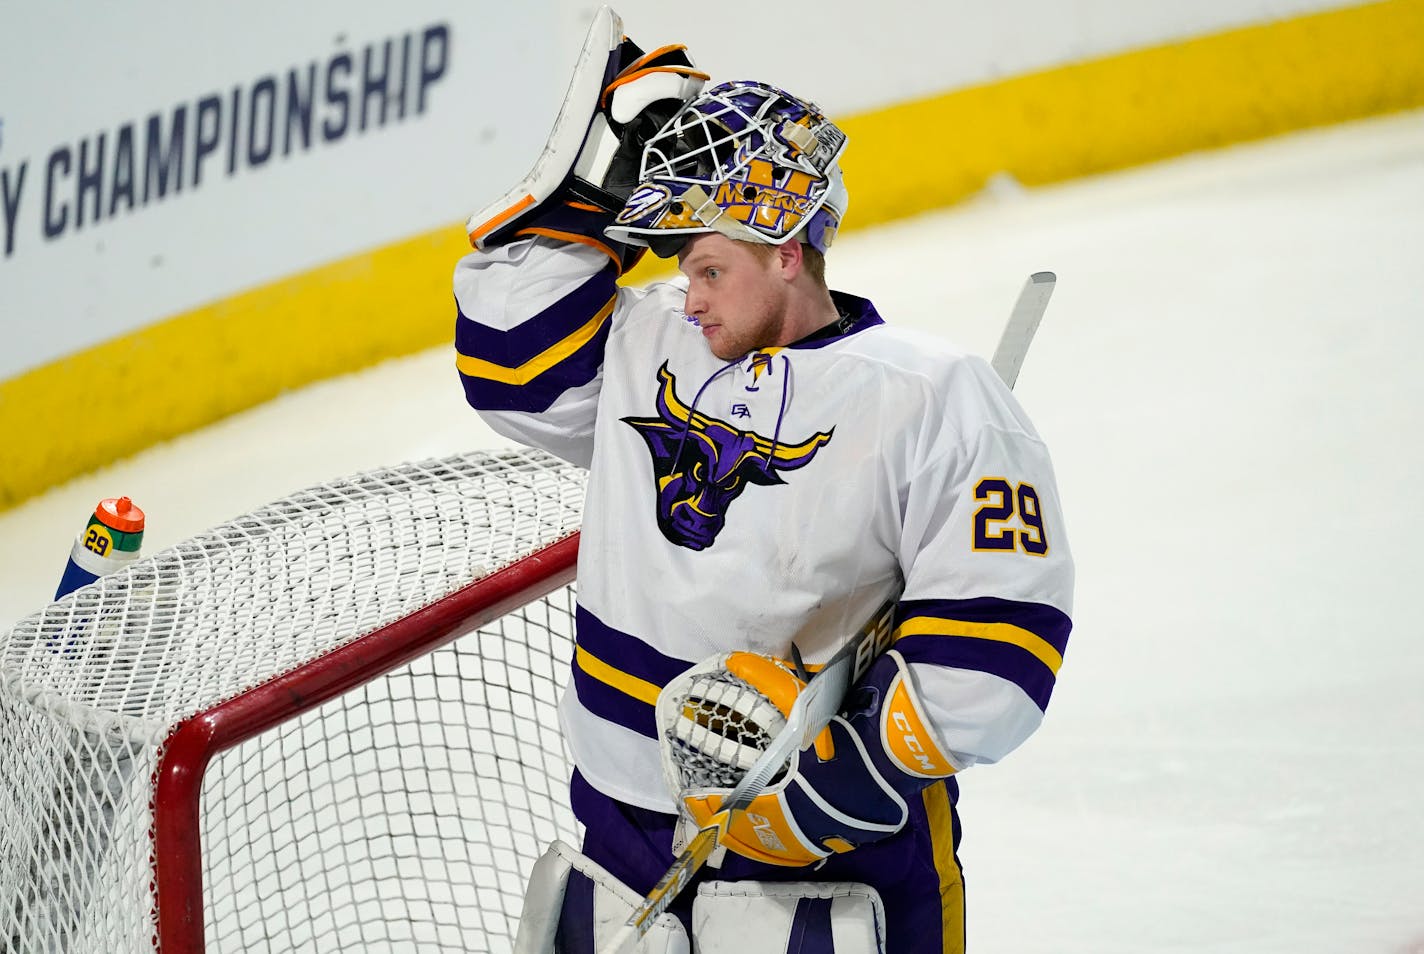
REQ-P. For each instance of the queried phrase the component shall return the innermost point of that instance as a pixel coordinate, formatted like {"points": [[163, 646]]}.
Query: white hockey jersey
{"points": [[775, 499]]}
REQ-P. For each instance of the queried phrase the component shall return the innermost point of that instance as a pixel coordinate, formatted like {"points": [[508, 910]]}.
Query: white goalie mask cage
{"points": [[745, 159]]}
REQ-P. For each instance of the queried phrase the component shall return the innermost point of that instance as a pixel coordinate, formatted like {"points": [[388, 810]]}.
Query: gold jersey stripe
{"points": [[639, 689], [998, 632], [541, 362]]}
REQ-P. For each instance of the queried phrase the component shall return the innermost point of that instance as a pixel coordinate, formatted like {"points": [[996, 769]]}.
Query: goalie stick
{"points": [[826, 690]]}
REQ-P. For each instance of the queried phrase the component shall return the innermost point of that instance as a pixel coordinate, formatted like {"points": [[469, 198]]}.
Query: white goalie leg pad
{"points": [[566, 885], [762, 917]]}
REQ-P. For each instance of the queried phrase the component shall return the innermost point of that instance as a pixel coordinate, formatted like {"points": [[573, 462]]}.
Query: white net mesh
{"points": [[404, 812]]}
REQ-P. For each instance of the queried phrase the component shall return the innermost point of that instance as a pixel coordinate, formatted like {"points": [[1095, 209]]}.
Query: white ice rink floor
{"points": [[1230, 379]]}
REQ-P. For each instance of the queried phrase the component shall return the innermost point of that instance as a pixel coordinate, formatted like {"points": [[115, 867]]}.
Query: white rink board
{"points": [[465, 134], [851, 56], [284, 189]]}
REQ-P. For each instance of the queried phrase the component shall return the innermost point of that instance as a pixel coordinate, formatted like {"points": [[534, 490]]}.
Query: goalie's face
{"points": [[738, 292]]}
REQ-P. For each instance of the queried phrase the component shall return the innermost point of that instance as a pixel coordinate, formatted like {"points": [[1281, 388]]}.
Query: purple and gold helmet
{"points": [[745, 159]]}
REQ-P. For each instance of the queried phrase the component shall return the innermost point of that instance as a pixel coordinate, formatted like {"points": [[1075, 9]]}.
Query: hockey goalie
{"points": [[770, 463]]}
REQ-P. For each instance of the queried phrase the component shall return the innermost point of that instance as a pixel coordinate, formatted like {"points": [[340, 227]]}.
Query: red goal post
{"points": [[328, 724]]}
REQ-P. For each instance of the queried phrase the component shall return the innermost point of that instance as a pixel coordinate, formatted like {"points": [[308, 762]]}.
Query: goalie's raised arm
{"points": [[537, 300]]}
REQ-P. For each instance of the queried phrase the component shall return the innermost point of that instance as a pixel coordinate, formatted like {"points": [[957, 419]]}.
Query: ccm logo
{"points": [[913, 743]]}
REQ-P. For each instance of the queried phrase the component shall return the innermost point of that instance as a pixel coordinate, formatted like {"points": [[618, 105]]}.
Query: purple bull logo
{"points": [[702, 465]]}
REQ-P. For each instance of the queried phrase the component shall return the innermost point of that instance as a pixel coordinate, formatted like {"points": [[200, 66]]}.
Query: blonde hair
{"points": [[814, 261]]}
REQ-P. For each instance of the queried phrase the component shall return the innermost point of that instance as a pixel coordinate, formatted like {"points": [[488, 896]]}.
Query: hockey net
{"points": [[327, 725]]}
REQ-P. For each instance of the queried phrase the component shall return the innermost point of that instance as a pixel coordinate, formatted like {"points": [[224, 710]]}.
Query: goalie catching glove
{"points": [[618, 99], [845, 790]]}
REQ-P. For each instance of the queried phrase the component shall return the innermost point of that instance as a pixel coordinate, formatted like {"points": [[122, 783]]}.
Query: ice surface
{"points": [[1229, 376]]}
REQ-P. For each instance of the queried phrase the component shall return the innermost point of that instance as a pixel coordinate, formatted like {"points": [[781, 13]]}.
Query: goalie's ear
{"points": [[618, 98]]}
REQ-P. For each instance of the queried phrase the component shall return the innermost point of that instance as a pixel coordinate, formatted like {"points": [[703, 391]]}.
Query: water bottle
{"points": [[109, 542]]}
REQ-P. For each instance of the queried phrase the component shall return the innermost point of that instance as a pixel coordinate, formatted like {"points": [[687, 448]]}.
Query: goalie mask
{"points": [[745, 159]]}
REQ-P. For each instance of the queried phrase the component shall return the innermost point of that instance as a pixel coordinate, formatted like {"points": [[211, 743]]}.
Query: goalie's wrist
{"points": [[897, 730], [570, 220]]}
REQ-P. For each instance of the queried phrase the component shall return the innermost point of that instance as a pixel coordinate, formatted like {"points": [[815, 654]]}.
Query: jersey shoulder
{"points": [[655, 301], [915, 352], [953, 382]]}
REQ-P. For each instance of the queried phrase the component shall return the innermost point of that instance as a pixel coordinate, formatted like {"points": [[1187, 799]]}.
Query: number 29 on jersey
{"points": [[1009, 518]]}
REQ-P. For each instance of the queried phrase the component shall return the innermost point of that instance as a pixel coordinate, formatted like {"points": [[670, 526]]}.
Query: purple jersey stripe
{"points": [[608, 702], [540, 393], [621, 686], [857, 314], [627, 652], [531, 338], [1004, 660], [1049, 624]]}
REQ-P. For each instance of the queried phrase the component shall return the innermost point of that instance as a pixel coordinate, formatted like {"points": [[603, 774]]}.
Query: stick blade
{"points": [[1023, 324]]}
